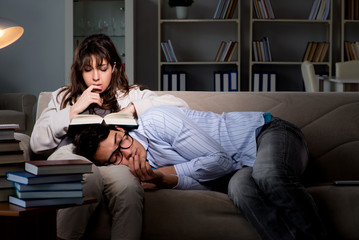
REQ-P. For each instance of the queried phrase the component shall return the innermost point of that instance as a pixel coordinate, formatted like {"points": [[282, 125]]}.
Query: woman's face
{"points": [[98, 74]]}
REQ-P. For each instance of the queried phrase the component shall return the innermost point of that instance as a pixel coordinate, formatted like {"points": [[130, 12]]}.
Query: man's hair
{"points": [[87, 141]]}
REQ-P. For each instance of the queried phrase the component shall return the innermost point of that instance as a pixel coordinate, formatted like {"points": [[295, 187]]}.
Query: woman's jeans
{"points": [[269, 194]]}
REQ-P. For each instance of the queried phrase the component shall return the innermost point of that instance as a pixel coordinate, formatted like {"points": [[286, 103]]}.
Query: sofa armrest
{"points": [[21, 102]]}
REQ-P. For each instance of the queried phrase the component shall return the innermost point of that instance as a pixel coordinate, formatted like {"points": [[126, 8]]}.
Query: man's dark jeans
{"points": [[269, 194]]}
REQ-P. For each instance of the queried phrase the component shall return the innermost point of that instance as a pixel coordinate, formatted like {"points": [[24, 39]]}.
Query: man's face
{"points": [[109, 151]]}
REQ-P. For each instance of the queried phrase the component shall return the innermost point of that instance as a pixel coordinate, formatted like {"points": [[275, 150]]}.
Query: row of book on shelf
{"points": [[351, 9], [264, 82], [261, 50], [168, 51], [225, 9], [263, 9], [320, 10], [226, 50], [316, 51], [174, 81], [225, 81], [351, 50]]}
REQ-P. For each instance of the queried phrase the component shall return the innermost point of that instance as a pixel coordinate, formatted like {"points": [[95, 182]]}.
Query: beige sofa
{"points": [[330, 122]]}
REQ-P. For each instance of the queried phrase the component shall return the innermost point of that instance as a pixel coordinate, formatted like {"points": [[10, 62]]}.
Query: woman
{"points": [[98, 86]]}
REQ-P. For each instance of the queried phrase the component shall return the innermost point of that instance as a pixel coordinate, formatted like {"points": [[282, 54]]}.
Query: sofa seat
{"points": [[339, 208]]}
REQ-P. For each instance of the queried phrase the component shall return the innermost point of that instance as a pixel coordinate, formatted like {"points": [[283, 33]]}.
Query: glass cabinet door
{"points": [[108, 17]]}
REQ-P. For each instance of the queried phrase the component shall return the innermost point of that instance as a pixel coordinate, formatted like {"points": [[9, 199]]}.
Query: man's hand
{"points": [[164, 177]]}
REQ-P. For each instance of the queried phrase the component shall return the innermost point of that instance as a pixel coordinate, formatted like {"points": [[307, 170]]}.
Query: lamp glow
{"points": [[9, 32]]}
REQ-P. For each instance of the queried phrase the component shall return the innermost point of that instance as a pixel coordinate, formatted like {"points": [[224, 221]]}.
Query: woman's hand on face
{"points": [[89, 96]]}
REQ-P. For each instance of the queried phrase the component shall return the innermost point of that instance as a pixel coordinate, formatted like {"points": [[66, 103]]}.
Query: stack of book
{"points": [[261, 50], [226, 51], [174, 81], [225, 9], [351, 50], [320, 10], [263, 9], [351, 9], [11, 158], [168, 51], [316, 51], [225, 81], [51, 182], [264, 82]]}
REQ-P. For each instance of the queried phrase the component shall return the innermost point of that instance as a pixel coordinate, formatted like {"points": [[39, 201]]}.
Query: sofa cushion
{"points": [[339, 208], [208, 215]]}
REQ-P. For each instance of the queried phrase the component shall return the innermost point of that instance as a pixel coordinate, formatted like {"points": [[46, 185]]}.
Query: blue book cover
{"points": [[48, 186], [28, 178], [44, 202]]}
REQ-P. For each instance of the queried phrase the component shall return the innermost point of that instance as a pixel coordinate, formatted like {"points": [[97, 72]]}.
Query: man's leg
{"points": [[125, 198], [281, 158], [255, 207]]}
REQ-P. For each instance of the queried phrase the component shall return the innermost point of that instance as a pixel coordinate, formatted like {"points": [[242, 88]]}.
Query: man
{"points": [[186, 149]]}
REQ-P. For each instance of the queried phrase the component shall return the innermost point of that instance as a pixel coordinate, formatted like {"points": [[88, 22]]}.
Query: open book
{"points": [[124, 120]]}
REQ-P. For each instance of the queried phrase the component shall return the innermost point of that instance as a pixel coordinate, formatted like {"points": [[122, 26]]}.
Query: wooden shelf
{"points": [[197, 50], [284, 54]]}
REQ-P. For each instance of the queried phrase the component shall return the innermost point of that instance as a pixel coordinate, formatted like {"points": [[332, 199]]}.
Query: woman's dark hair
{"points": [[87, 141], [102, 48]]}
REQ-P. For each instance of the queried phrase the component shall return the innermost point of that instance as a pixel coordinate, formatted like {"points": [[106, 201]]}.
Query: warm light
{"points": [[9, 33]]}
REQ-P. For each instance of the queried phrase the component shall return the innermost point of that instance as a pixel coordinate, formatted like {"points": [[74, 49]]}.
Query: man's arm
{"points": [[201, 157]]}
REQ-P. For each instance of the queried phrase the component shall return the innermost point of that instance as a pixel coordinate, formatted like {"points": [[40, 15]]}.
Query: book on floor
{"points": [[48, 167], [48, 186], [44, 202], [24, 177], [48, 194], [80, 121]]}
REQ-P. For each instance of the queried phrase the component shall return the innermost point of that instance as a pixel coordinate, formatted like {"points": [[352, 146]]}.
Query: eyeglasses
{"points": [[125, 143]]}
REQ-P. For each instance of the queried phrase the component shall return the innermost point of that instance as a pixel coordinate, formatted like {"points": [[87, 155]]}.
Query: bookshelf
{"points": [[196, 41], [349, 27], [282, 30]]}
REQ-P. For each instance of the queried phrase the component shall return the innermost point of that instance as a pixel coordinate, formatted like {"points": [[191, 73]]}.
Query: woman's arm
{"points": [[51, 126], [144, 99]]}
